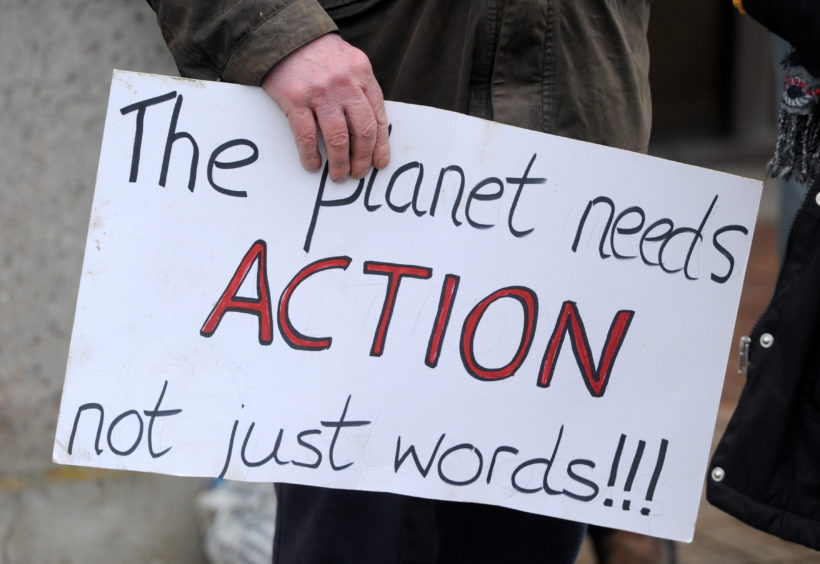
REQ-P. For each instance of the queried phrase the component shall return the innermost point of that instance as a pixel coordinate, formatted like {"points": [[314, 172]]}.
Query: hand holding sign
{"points": [[328, 86]]}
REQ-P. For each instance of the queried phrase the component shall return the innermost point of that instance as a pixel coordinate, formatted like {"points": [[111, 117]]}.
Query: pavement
{"points": [[720, 538]]}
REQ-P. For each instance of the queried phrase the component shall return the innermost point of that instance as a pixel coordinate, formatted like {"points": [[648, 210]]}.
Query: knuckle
{"points": [[360, 160], [369, 129], [381, 117], [304, 94], [307, 140], [360, 63], [338, 81], [295, 92], [383, 143], [319, 90], [338, 140]]}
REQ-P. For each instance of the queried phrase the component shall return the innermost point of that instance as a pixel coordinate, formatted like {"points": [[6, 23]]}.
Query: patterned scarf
{"points": [[797, 154]]}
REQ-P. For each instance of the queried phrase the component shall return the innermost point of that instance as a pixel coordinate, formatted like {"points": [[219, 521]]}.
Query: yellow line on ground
{"points": [[54, 475]]}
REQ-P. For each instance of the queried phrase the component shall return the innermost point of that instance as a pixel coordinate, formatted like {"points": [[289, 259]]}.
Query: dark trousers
{"points": [[324, 526]]}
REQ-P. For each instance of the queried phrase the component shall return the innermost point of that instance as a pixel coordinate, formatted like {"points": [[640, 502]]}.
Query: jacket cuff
{"points": [[275, 37]]}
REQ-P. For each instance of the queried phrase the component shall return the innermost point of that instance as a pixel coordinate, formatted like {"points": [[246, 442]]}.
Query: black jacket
{"points": [[796, 21], [766, 469]]}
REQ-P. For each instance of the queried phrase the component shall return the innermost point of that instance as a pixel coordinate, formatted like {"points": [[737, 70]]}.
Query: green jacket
{"points": [[577, 68]]}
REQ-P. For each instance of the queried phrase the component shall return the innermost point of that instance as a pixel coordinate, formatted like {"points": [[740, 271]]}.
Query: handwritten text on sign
{"points": [[500, 316]]}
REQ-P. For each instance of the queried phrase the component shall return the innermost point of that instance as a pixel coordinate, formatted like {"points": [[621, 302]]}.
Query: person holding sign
{"points": [[573, 68]]}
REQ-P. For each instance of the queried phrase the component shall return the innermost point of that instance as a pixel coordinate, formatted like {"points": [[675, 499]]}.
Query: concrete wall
{"points": [[56, 58]]}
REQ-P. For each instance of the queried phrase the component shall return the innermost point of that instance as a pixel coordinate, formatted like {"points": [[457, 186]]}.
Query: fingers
{"points": [[303, 125], [334, 129], [327, 89], [381, 148], [363, 130], [355, 138]]}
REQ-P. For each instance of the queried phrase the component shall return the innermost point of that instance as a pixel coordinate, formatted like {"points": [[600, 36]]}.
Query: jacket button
{"points": [[766, 340], [718, 474]]}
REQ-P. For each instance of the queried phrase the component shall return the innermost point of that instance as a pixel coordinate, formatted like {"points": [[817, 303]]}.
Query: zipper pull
{"points": [[743, 360]]}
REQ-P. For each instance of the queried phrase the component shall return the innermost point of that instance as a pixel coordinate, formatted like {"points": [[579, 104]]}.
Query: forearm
{"points": [[237, 41]]}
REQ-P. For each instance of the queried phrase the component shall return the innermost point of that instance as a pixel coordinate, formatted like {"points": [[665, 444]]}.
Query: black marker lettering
{"points": [[114, 423], [173, 137], [337, 426], [140, 109], [320, 203], [227, 165], [595, 202], [411, 451], [82, 408], [274, 454], [152, 416], [499, 450], [300, 438], [391, 184], [525, 180], [582, 480], [477, 194], [722, 250], [451, 450]]}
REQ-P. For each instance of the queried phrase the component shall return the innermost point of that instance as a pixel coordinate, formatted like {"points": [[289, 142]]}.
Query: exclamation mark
{"points": [[613, 473], [636, 462], [650, 493]]}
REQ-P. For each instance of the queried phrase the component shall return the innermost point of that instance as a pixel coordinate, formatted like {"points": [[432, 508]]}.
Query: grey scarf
{"points": [[797, 154]]}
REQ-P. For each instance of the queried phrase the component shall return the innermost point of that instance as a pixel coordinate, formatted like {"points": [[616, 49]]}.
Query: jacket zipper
{"points": [[746, 340], [743, 360]]}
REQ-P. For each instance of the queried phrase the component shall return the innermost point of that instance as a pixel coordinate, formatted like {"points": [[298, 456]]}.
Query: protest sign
{"points": [[500, 316]]}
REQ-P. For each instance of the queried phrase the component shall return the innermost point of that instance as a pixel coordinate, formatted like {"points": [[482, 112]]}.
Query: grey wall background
{"points": [[56, 59]]}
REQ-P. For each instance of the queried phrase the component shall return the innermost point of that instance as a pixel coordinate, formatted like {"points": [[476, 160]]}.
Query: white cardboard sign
{"points": [[500, 316]]}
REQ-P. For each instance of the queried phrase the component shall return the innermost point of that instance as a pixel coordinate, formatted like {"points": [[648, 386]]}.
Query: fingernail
{"points": [[383, 160]]}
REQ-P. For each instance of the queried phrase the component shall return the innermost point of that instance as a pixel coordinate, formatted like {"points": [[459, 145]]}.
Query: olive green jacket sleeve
{"points": [[237, 40]]}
